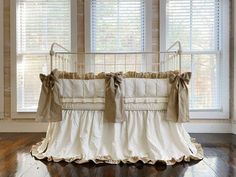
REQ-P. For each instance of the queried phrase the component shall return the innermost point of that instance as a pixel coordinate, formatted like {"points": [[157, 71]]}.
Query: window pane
{"points": [[204, 87], [205, 91], [42, 22], [178, 22], [194, 23], [205, 25], [28, 82], [117, 25]]}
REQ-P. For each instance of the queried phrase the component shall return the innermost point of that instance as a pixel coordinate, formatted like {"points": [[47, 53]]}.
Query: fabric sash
{"points": [[49, 106], [114, 103], [178, 102]]}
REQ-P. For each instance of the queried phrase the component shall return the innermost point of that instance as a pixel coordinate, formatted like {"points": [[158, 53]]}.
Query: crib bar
{"points": [[109, 61]]}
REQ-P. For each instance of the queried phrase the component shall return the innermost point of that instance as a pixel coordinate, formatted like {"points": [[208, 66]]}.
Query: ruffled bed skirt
{"points": [[145, 136]]}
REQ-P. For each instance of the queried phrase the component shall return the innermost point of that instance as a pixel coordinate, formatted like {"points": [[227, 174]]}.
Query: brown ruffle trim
{"points": [[109, 160], [102, 75]]}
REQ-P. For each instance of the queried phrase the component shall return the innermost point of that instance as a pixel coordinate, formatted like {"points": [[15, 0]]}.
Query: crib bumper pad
{"points": [[160, 94]]}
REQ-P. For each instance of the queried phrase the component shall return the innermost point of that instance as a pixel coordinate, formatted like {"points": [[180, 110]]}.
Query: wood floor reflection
{"points": [[15, 160]]}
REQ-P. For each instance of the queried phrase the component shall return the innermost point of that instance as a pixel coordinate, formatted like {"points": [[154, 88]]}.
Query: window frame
{"points": [[1, 60], [148, 26], [31, 115], [223, 62]]}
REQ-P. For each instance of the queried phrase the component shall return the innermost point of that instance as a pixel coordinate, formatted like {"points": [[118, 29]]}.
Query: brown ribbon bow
{"points": [[114, 104], [49, 106], [178, 103]]}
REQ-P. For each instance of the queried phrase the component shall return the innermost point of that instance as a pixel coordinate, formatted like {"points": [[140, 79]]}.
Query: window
{"points": [[197, 24], [39, 23], [1, 62], [117, 26]]}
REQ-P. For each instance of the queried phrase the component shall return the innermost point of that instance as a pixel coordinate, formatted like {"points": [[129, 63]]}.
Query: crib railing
{"points": [[62, 59]]}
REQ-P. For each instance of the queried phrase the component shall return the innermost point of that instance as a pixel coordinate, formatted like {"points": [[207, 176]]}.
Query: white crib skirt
{"points": [[83, 136]]}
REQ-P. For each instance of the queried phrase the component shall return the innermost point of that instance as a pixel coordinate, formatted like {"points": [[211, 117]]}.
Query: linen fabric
{"points": [[151, 131], [114, 103], [49, 106], [102, 75], [83, 135], [114, 88], [178, 103]]}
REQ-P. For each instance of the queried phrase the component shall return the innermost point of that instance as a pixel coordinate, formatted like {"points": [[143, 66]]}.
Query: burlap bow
{"points": [[178, 103], [114, 104], [49, 106]]}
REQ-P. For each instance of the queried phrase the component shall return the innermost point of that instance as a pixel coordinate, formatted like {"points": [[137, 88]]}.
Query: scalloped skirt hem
{"points": [[108, 159]]}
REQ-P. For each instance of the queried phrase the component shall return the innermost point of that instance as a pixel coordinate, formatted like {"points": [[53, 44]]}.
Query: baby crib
{"points": [[97, 113]]}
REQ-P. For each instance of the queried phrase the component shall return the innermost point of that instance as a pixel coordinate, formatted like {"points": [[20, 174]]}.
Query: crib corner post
{"points": [[51, 55]]}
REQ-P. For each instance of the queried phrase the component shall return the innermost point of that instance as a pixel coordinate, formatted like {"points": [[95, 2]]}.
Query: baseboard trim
{"points": [[192, 127], [234, 128], [22, 126]]}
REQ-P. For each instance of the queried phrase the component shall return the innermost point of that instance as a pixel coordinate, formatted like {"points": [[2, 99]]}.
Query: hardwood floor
{"points": [[15, 160]]}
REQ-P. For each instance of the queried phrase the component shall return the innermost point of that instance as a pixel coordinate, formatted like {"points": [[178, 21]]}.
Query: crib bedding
{"points": [[148, 103], [83, 134], [116, 86], [132, 88], [126, 100], [139, 94], [101, 106]]}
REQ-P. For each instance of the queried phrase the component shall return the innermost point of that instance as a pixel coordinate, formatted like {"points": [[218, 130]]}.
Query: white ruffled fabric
{"points": [[83, 135]]}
